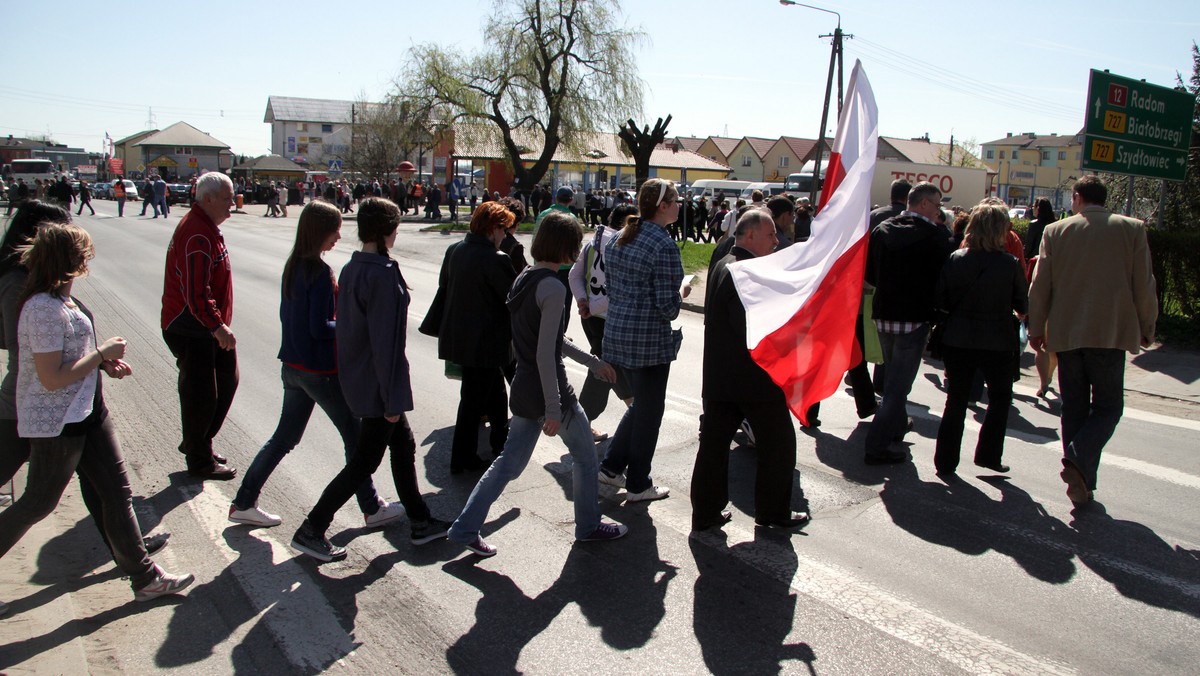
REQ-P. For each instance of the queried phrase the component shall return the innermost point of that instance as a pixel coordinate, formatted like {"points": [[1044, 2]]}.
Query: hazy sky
{"points": [[725, 67]]}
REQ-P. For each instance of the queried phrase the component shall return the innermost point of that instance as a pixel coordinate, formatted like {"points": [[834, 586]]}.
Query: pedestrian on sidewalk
{"points": [[980, 287], [371, 334], [119, 194], [307, 311], [60, 408], [148, 197], [542, 399], [1092, 300], [14, 450], [644, 276], [85, 198]]}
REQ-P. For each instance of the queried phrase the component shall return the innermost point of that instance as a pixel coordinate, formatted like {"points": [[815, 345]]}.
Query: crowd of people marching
{"points": [[500, 323]]}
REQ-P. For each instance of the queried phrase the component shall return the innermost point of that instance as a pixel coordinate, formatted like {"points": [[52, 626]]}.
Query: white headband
{"points": [[662, 192]]}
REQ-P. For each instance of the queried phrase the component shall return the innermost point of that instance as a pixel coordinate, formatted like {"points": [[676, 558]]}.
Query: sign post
{"points": [[1137, 129]]}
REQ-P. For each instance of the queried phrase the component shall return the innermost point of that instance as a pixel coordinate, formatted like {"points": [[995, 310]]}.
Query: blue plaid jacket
{"points": [[643, 280]]}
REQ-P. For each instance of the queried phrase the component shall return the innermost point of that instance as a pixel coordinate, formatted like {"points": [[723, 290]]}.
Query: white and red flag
{"points": [[802, 302]]}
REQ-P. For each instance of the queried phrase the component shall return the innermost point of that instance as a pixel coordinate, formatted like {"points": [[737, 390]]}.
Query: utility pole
{"points": [[835, 59], [353, 117], [950, 161]]}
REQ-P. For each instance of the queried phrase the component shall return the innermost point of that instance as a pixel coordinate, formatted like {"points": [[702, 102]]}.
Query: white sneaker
{"points": [[164, 584], [652, 493], [617, 481], [388, 512], [253, 517]]}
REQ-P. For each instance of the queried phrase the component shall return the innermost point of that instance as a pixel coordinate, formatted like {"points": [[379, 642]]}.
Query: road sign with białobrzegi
{"points": [[1136, 128]]}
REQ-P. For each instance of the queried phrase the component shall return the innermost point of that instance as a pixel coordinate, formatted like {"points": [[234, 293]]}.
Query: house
{"points": [[746, 158], [719, 149], [1030, 166], [788, 155], [178, 152]]}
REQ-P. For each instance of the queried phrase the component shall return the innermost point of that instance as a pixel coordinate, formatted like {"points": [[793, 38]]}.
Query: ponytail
{"points": [[630, 232]]}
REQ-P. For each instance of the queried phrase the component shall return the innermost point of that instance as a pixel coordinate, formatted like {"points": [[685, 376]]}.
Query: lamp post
{"points": [[835, 57]]}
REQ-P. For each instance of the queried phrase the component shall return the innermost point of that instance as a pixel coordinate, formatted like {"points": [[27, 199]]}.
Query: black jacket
{"points": [[730, 374], [475, 329], [904, 259], [883, 213], [978, 291]]}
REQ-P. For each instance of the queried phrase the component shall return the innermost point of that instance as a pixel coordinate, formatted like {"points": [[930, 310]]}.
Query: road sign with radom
{"points": [[1136, 128]]}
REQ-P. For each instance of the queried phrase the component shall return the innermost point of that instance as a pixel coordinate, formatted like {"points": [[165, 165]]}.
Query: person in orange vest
{"points": [[118, 190]]}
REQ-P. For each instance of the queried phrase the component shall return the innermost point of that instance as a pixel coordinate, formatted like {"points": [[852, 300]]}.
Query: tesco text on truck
{"points": [[945, 183]]}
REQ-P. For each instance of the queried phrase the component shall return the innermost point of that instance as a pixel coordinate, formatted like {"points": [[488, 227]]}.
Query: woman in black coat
{"points": [[980, 288], [475, 332]]}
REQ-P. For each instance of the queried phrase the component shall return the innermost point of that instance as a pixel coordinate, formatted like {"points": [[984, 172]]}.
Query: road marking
{"points": [[889, 613], [1151, 470], [297, 615]]}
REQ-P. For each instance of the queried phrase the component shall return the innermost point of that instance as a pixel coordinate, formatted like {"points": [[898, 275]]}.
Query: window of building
{"points": [[327, 129], [1077, 154], [1062, 154], [183, 150], [1001, 154], [784, 161], [1014, 155], [1045, 154], [991, 154], [745, 160], [301, 126]]}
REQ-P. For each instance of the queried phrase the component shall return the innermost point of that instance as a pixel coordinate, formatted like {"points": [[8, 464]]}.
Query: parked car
{"points": [[100, 190], [178, 192], [131, 192]]}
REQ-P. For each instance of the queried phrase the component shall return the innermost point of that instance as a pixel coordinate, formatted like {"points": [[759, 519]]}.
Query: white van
{"points": [[769, 190], [709, 187]]}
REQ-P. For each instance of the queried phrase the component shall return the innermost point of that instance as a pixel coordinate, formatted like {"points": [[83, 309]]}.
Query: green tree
{"points": [[553, 72]]}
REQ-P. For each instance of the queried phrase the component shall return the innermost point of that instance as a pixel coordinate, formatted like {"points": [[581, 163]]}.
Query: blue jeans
{"points": [[902, 353], [632, 449], [1091, 382], [120, 206], [301, 390], [523, 434]]}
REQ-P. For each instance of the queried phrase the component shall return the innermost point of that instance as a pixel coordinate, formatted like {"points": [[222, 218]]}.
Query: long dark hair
{"points": [[318, 221], [22, 228], [1043, 210]]}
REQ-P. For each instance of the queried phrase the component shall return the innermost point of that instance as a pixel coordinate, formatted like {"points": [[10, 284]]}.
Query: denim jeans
{"points": [[301, 390], [120, 206], [523, 435], [902, 353], [374, 436], [160, 205], [98, 457], [208, 379], [632, 449], [963, 366], [1091, 382]]}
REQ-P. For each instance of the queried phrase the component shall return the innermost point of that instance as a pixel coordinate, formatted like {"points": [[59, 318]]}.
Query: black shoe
{"points": [[474, 465], [720, 520], [812, 424], [308, 541], [995, 467], [868, 413], [219, 459], [908, 427], [794, 520], [429, 530], [215, 473], [156, 542], [885, 459]]}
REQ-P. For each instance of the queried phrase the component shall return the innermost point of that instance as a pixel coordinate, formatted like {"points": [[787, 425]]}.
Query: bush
{"points": [[1176, 260]]}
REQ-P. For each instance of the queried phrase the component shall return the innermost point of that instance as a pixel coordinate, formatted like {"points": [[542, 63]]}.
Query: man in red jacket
{"points": [[197, 307]]}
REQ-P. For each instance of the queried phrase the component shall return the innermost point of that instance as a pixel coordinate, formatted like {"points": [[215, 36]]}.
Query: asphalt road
{"points": [[898, 572]]}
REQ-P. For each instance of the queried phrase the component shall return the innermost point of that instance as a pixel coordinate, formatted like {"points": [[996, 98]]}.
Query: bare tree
{"points": [[641, 144], [963, 153], [387, 133], [554, 71]]}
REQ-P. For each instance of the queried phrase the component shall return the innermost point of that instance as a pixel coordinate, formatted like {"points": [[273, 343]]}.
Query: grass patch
{"points": [[695, 255]]}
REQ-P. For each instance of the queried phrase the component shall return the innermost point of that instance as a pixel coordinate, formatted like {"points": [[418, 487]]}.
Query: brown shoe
{"points": [[215, 473], [1077, 489]]}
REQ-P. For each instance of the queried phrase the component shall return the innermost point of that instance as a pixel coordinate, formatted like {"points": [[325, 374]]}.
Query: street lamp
{"points": [[835, 57]]}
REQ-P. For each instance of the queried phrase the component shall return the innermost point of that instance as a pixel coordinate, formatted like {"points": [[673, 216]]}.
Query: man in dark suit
{"points": [[735, 389]]}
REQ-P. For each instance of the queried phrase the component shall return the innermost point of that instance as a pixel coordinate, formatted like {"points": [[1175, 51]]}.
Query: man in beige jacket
{"points": [[1092, 299]]}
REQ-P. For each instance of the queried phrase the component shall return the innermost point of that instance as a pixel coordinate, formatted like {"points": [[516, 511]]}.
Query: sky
{"points": [[967, 69]]}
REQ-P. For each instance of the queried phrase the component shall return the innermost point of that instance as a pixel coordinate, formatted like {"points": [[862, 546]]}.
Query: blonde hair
{"points": [[987, 228], [57, 254]]}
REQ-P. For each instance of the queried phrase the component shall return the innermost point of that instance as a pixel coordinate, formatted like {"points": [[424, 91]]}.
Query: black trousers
{"points": [[860, 377], [961, 367], [594, 395], [375, 435], [208, 379], [482, 393], [775, 443]]}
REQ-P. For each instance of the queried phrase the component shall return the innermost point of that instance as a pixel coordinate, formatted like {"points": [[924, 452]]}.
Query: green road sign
{"points": [[1137, 128]]}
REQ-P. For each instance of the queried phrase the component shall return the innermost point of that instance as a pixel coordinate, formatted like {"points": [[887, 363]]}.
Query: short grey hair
{"points": [[210, 184], [752, 219], [922, 192]]}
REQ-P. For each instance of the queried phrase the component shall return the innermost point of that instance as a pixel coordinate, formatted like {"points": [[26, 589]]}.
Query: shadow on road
{"points": [[742, 616]]}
